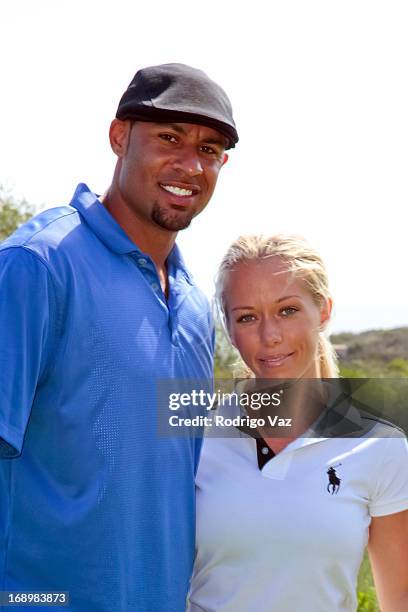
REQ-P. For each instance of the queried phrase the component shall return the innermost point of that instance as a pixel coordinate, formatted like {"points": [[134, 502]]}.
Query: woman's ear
{"points": [[325, 312]]}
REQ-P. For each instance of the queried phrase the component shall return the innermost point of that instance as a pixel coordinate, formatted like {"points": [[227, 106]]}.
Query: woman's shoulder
{"points": [[377, 427]]}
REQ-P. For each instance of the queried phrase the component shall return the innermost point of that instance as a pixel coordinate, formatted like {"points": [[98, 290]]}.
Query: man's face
{"points": [[167, 172]]}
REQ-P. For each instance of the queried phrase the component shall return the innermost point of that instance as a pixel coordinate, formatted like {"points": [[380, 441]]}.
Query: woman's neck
{"points": [[302, 402]]}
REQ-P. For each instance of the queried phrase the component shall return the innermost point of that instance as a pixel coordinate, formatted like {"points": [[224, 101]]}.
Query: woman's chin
{"points": [[290, 369], [277, 373]]}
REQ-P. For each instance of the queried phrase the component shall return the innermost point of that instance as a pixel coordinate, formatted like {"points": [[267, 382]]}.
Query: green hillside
{"points": [[375, 345], [373, 353]]}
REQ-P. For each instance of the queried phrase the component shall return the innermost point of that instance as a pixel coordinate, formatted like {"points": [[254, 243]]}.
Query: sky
{"points": [[320, 97]]}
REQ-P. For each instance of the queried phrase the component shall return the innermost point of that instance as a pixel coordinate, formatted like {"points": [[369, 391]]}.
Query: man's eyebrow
{"points": [[172, 126], [176, 127], [222, 141]]}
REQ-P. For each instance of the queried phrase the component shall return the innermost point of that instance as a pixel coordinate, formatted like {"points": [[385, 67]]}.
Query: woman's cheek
{"points": [[244, 342]]}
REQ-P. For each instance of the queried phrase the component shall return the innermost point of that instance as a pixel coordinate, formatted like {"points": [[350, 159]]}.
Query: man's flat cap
{"points": [[178, 93]]}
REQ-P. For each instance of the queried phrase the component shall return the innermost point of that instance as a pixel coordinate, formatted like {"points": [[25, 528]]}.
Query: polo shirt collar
{"points": [[175, 261], [110, 232], [339, 419], [101, 221]]}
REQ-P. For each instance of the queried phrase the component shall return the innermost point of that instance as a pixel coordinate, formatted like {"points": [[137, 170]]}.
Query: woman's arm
{"points": [[388, 551]]}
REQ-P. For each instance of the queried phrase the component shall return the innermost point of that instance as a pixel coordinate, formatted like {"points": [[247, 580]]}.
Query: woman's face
{"points": [[273, 320]]}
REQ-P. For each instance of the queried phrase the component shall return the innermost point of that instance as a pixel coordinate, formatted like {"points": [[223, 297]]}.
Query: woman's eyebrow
{"points": [[242, 308], [287, 297], [281, 299]]}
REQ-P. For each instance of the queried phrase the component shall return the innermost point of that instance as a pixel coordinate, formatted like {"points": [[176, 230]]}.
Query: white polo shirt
{"points": [[285, 538]]}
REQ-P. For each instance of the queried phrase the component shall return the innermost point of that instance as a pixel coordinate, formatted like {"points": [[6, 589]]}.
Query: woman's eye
{"points": [[168, 137], [288, 311], [245, 318]]}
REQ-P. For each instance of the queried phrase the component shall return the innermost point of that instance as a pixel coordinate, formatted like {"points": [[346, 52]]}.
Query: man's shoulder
{"points": [[50, 232], [47, 226]]}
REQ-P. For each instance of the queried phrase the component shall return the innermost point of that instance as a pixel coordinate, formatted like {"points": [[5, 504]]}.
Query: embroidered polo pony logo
{"points": [[334, 480]]}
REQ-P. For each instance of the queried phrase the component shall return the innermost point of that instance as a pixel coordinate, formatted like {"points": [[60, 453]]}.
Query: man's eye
{"points": [[209, 150], [288, 311], [168, 137], [247, 318]]}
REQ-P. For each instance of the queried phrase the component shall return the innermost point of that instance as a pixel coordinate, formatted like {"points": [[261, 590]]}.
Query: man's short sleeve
{"points": [[26, 301], [391, 491]]}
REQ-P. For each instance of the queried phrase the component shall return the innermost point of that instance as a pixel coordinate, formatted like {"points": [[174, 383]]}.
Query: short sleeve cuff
{"points": [[10, 442], [389, 508]]}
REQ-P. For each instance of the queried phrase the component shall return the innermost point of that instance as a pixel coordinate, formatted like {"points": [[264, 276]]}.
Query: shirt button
{"points": [[265, 450], [155, 286], [142, 262]]}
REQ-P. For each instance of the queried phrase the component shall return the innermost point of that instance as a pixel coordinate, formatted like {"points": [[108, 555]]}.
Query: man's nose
{"points": [[188, 162], [271, 331]]}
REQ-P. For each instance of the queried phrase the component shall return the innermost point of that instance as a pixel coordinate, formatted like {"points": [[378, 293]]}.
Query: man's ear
{"points": [[225, 158], [119, 132]]}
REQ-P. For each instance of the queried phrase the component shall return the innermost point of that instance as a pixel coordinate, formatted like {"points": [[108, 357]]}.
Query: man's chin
{"points": [[169, 222]]}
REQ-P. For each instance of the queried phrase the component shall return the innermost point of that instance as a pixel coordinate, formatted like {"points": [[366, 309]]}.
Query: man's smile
{"points": [[182, 190]]}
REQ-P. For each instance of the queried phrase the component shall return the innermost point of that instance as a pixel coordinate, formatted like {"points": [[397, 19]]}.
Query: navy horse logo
{"points": [[334, 480]]}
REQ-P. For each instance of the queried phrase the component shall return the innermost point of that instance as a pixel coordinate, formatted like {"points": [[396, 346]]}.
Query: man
{"points": [[96, 306]]}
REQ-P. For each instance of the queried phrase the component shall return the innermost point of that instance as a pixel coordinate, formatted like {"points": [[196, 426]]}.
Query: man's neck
{"points": [[152, 240]]}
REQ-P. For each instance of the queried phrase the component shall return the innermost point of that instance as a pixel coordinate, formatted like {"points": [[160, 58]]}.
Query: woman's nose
{"points": [[271, 331]]}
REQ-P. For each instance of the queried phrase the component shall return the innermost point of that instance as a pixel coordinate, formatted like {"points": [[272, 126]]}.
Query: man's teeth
{"points": [[177, 190]]}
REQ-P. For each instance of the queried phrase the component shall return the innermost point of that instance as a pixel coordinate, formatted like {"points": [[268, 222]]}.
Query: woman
{"points": [[282, 522]]}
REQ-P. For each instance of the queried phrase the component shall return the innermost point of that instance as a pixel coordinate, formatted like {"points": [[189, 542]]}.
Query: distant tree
{"points": [[351, 371], [12, 213], [398, 367], [226, 357]]}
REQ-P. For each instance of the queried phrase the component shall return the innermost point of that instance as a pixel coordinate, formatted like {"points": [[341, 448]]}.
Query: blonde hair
{"points": [[302, 260]]}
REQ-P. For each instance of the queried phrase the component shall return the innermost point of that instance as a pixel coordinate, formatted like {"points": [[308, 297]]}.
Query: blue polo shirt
{"points": [[92, 500]]}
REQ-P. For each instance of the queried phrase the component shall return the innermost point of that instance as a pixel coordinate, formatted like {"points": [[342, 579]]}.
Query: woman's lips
{"points": [[274, 361]]}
